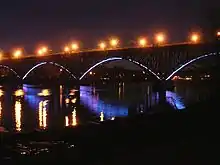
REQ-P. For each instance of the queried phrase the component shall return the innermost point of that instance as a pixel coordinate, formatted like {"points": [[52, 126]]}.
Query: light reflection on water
{"points": [[42, 113], [71, 120], [59, 107], [18, 109], [89, 98]]}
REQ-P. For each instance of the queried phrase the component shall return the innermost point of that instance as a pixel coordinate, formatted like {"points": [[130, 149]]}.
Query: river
{"points": [[30, 107]]}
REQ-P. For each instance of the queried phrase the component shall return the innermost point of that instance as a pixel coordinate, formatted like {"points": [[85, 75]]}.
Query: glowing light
{"points": [[44, 92], [114, 42], [74, 121], [102, 45], [113, 118], [18, 115], [102, 116], [50, 63], [115, 59], [99, 63], [40, 52], [67, 101], [1, 55], [95, 104], [142, 42], [175, 100], [43, 114], [218, 33], [66, 121], [1, 92], [187, 63], [195, 38], [66, 49], [17, 53], [19, 93], [44, 49], [90, 73], [160, 38], [75, 46], [73, 101], [72, 92]]}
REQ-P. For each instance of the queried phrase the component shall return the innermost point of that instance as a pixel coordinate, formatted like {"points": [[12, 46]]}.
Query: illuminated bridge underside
{"points": [[162, 62]]}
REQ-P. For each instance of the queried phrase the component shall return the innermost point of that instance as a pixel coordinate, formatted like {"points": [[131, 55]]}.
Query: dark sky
{"points": [[31, 22]]}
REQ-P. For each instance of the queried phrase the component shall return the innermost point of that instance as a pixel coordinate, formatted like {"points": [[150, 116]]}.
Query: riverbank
{"points": [[185, 136]]}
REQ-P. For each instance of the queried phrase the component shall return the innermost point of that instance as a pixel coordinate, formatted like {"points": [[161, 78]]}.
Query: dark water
{"points": [[35, 107]]}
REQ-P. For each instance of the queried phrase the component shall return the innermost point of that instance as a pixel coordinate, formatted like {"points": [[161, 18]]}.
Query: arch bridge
{"points": [[163, 62]]}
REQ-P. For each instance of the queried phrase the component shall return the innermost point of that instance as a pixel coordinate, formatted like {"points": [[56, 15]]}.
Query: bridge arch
{"points": [[12, 70], [117, 59], [190, 62], [50, 63]]}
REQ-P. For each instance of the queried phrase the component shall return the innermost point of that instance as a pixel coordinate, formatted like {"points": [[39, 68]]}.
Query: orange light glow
{"points": [[142, 42], [218, 33], [1, 54], [102, 45], [19, 93], [160, 38], [44, 49], [44, 92], [40, 52], [114, 42], [75, 46], [17, 53], [66, 49], [195, 38]]}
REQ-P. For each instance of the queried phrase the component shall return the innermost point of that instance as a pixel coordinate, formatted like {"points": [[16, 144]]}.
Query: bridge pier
{"points": [[162, 92], [160, 87]]}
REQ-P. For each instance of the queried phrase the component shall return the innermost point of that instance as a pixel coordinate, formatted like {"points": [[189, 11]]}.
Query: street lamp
{"points": [[75, 46], [160, 38], [66, 49], [1, 54], [102, 45], [114, 42], [195, 38], [42, 51], [17, 53], [142, 42]]}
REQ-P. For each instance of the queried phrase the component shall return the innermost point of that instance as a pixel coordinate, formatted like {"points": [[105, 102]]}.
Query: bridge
{"points": [[163, 62]]}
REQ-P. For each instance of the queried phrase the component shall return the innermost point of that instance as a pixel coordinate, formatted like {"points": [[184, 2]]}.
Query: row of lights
{"points": [[113, 42], [142, 42]]}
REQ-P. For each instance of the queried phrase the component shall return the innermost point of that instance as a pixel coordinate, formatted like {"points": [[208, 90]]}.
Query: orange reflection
{"points": [[1, 92], [74, 121], [18, 116], [19, 92], [72, 117], [66, 121], [67, 101], [73, 100], [44, 92], [43, 114]]}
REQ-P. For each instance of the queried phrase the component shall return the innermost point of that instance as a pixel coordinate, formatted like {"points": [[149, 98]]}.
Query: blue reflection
{"points": [[31, 96], [175, 99], [92, 102]]}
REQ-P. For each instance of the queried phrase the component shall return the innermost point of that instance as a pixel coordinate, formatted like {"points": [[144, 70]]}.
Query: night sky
{"points": [[28, 22]]}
